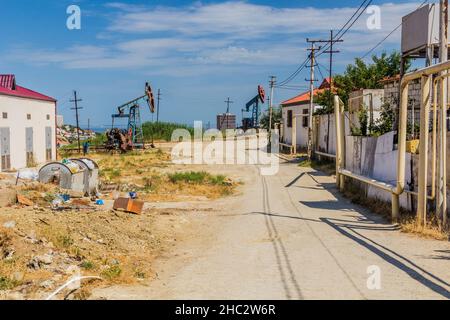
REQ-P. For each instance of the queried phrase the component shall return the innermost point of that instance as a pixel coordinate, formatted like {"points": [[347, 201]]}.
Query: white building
{"points": [[27, 126], [297, 109]]}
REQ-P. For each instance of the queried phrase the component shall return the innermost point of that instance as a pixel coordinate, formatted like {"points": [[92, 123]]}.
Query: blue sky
{"points": [[197, 53]]}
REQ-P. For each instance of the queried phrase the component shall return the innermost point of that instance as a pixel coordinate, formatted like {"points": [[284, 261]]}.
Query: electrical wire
{"points": [[358, 12], [390, 33], [338, 35]]}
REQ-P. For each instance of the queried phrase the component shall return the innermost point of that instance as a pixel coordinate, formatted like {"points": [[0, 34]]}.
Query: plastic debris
{"points": [[133, 195], [28, 174]]}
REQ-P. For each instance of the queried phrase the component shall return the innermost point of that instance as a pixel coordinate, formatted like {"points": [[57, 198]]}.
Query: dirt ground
{"points": [[292, 236], [41, 248]]}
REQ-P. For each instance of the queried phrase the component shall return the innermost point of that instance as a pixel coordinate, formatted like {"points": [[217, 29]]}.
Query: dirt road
{"points": [[292, 236]]}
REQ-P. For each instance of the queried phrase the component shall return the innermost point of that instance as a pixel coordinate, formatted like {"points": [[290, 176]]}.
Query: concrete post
{"points": [[294, 134]]}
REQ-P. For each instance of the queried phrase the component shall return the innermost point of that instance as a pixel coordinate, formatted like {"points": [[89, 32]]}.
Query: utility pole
{"points": [[89, 124], [157, 105], [311, 80], [76, 108], [441, 196], [228, 102], [331, 51], [272, 84]]}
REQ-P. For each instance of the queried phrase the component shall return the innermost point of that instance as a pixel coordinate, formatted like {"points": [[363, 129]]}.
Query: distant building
{"points": [[59, 121], [226, 121], [27, 126]]}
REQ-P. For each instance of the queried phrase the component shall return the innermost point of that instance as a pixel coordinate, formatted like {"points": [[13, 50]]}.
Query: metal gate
{"points": [[48, 143], [29, 146], [5, 150]]}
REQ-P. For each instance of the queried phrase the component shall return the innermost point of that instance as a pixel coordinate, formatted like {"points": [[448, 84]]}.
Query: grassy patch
{"points": [[64, 241], [197, 177], [87, 265], [112, 272], [7, 283]]}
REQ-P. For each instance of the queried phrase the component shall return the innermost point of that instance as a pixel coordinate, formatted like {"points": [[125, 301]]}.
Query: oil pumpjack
{"points": [[133, 136], [252, 122]]}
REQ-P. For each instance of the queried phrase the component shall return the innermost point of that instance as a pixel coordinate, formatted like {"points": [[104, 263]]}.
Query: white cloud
{"points": [[244, 20], [207, 37]]}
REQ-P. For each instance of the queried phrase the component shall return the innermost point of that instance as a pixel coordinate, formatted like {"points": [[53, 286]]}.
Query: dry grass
{"points": [[431, 230], [150, 173], [407, 223], [117, 246]]}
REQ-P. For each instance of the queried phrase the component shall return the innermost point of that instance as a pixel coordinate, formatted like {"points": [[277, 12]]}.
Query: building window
{"points": [[289, 118], [5, 115], [28, 116], [48, 117], [305, 118]]}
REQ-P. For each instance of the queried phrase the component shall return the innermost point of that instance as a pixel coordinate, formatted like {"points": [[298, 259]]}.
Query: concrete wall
{"points": [[321, 133], [369, 99], [17, 109], [374, 157]]}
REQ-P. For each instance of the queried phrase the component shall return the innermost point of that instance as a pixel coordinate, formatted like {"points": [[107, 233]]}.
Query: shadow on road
{"points": [[390, 256]]}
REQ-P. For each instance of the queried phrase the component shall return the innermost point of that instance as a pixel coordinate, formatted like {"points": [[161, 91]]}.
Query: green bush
{"points": [[162, 130]]}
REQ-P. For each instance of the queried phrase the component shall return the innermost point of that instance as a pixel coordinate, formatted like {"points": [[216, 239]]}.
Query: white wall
{"points": [[17, 109], [302, 132], [374, 157]]}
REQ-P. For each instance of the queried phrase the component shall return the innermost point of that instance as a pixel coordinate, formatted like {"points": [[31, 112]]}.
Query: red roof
{"points": [[9, 87], [305, 96]]}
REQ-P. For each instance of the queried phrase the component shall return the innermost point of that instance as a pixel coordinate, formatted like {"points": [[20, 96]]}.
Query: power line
{"points": [[390, 33], [339, 36], [303, 64], [295, 73]]}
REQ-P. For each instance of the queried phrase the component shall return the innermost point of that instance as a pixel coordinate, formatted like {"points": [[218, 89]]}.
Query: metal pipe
{"points": [[340, 144], [417, 194], [382, 185], [325, 154], [423, 150]]}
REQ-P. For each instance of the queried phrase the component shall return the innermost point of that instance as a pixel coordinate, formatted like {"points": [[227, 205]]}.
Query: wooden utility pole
{"points": [[157, 105], [311, 80], [228, 102], [441, 195], [331, 51], [76, 108], [272, 84]]}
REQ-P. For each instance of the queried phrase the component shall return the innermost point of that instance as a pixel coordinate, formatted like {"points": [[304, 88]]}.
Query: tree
{"points": [[276, 118], [368, 76]]}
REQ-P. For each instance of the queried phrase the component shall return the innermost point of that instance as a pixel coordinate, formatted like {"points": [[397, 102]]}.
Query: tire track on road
{"points": [[277, 242]]}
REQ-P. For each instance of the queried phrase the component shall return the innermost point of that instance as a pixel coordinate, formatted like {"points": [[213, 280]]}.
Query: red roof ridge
{"points": [[8, 87]]}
